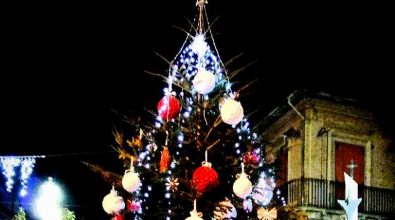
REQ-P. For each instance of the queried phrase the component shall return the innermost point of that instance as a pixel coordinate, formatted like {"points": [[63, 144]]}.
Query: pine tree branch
{"points": [[191, 24], [236, 72], [233, 59], [164, 58], [183, 30], [212, 127], [246, 86], [213, 144], [110, 177], [156, 74]]}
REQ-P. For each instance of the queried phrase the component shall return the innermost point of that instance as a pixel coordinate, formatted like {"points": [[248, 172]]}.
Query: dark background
{"points": [[66, 66]]}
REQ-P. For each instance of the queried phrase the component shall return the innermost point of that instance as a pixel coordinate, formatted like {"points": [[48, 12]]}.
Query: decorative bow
{"points": [[266, 214]]}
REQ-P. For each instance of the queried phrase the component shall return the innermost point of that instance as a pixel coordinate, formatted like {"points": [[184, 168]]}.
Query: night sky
{"points": [[65, 67]]}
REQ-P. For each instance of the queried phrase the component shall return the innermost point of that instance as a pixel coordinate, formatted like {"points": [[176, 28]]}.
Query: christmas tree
{"points": [[198, 156]]}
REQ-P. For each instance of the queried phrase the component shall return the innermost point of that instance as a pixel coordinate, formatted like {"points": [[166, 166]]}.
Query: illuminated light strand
{"points": [[26, 170], [10, 163]]}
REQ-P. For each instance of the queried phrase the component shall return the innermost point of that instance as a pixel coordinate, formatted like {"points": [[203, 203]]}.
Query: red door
{"points": [[343, 156]]}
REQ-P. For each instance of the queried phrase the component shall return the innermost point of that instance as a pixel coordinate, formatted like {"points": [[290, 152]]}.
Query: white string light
{"points": [[9, 165]]}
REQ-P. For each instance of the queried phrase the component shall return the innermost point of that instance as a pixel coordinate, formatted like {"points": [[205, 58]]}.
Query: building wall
{"points": [[344, 124]]}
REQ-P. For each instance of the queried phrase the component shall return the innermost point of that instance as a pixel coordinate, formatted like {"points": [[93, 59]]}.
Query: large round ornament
{"points": [[168, 107], [118, 217], [199, 45], [131, 181], [225, 210], [232, 112], [193, 217], [204, 82], [242, 187], [112, 203], [204, 177]]}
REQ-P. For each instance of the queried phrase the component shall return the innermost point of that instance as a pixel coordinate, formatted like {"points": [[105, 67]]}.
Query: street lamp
{"points": [[48, 204]]}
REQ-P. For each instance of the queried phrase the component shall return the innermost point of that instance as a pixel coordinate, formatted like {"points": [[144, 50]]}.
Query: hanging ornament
{"points": [[152, 147], [168, 107], [112, 203], [225, 210], [164, 160], [118, 217], [199, 45], [265, 214], [172, 184], [232, 112], [205, 177], [242, 187], [204, 82], [194, 214], [251, 157], [133, 206], [247, 205], [131, 180], [263, 192]]}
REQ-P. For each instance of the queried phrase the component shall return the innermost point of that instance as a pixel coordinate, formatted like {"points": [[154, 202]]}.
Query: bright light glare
{"points": [[48, 203]]}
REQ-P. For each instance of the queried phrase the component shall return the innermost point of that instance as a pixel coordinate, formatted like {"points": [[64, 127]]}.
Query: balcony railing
{"points": [[324, 194]]}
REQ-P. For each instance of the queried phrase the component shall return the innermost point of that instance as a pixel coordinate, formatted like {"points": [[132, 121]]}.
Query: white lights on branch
{"points": [[9, 165]]}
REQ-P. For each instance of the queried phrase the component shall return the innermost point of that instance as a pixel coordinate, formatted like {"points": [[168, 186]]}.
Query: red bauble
{"points": [[118, 217], [204, 178], [168, 107]]}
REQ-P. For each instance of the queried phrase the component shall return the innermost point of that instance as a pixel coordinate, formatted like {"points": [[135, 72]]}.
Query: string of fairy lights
{"points": [[9, 164], [18, 169]]}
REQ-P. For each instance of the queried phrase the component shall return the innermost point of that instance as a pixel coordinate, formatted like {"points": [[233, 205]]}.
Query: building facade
{"points": [[318, 137]]}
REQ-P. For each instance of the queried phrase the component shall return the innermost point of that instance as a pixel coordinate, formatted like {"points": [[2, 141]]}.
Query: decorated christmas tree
{"points": [[198, 156]]}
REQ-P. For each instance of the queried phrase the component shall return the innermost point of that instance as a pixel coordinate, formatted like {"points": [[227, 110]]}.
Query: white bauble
{"points": [[112, 203], [199, 45], [131, 181], [194, 216], [225, 210], [242, 187], [232, 112], [204, 82]]}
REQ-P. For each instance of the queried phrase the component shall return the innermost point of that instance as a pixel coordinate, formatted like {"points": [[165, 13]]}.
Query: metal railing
{"points": [[324, 194]]}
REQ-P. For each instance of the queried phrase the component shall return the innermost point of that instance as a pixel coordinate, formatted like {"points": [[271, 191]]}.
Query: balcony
{"points": [[324, 194]]}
